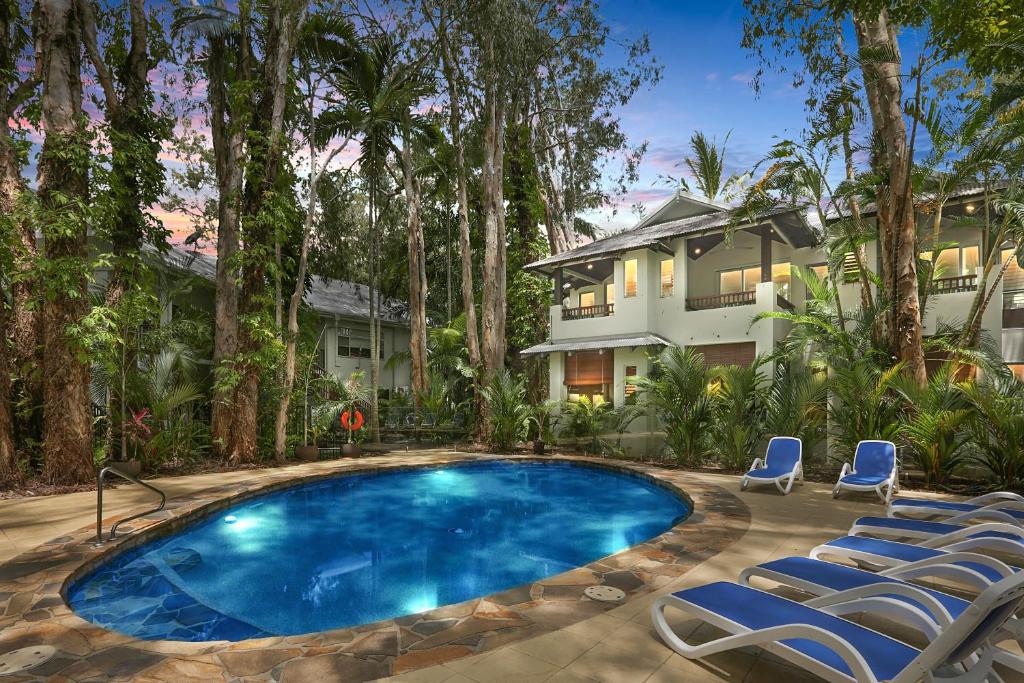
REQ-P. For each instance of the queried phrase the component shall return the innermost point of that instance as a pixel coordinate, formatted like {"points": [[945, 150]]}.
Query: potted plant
{"points": [[310, 452], [136, 432], [342, 401]]}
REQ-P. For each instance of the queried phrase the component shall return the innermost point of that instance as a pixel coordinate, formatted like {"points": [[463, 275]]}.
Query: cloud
{"points": [[742, 77], [713, 76]]}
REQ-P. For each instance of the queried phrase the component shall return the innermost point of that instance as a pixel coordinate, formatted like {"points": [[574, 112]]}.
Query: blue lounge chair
{"points": [[783, 462], [924, 608], [912, 561], [834, 648], [997, 537], [1002, 506], [874, 469]]}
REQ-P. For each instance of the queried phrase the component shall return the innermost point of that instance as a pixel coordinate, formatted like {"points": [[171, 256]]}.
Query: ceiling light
{"points": [[969, 208], [590, 266], [696, 251]]}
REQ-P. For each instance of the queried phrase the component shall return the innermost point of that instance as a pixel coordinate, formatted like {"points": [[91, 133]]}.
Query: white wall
{"points": [[393, 339]]}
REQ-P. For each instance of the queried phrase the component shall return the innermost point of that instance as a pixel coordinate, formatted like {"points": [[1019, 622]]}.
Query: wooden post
{"points": [[766, 254], [558, 287]]}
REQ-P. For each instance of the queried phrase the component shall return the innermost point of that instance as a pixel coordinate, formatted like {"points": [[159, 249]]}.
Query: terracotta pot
{"points": [[351, 450], [307, 453], [133, 468]]}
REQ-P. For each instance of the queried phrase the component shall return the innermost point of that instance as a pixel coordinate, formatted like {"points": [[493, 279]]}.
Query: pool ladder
{"points": [[99, 503]]}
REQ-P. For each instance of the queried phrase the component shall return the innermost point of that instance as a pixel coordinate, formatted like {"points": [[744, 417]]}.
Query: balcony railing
{"points": [[598, 311], [953, 285], [703, 303], [1013, 308]]}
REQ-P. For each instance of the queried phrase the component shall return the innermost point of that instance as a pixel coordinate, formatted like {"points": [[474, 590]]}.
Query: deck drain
{"points": [[23, 659], [604, 593]]}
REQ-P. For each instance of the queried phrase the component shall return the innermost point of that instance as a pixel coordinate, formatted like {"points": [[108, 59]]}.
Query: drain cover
{"points": [[604, 593], [23, 659]]}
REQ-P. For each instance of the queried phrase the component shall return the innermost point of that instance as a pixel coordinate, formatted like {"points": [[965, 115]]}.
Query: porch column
{"points": [[558, 287], [766, 254]]}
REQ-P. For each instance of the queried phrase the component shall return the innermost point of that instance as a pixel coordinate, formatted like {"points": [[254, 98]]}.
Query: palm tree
{"points": [[707, 166]]}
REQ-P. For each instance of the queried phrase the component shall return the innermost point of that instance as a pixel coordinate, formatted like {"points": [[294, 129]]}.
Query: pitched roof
{"points": [[336, 297], [595, 343], [645, 236]]}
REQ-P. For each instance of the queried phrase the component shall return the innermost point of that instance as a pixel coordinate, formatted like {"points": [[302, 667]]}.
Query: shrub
{"points": [[587, 419], [996, 429], [796, 405], [508, 413], [738, 413], [933, 426], [866, 404]]}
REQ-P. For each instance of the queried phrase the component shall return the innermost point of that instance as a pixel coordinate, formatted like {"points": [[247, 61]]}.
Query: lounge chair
{"points": [[996, 537], [924, 608], [1001, 506], [783, 462], [874, 469], [834, 648], [979, 571]]}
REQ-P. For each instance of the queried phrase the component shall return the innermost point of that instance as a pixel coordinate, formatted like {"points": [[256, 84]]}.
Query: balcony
{"points": [[955, 285], [704, 303], [584, 312]]}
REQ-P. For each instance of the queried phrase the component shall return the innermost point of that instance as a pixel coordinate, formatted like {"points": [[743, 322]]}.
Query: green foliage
{"points": [[508, 413], [934, 425], [997, 429], [678, 392], [796, 405], [587, 419], [865, 404], [334, 397], [739, 398]]}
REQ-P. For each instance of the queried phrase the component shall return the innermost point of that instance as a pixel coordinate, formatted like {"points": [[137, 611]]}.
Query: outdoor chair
{"points": [[782, 465], [874, 469], [1001, 506], [998, 537], [824, 644]]}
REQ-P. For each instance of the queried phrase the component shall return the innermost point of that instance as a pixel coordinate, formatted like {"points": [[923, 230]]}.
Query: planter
{"points": [[351, 450], [538, 447], [133, 468], [307, 453]]}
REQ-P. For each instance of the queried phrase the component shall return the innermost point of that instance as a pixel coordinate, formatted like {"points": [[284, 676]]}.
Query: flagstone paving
{"points": [[544, 631]]}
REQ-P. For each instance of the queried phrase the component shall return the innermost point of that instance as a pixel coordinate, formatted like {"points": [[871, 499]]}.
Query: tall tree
{"points": [[62, 196]]}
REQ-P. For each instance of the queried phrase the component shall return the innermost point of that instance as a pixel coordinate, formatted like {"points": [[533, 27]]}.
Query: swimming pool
{"points": [[360, 548]]}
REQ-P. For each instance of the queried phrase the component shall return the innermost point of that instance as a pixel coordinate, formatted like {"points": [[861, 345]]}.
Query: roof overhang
{"points": [[597, 343]]}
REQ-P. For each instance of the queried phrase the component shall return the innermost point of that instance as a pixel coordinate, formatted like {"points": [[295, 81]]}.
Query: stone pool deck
{"points": [[546, 631]]}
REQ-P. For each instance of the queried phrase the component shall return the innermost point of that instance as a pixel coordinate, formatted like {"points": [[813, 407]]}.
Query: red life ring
{"points": [[356, 423]]}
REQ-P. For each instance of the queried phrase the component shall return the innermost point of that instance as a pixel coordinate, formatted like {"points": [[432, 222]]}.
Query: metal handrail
{"points": [[99, 502]]}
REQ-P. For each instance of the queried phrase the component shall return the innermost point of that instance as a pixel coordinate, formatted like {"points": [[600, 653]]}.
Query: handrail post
{"points": [[99, 502], [99, 507]]}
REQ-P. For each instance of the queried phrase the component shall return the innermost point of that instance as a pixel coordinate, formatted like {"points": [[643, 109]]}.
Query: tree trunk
{"points": [[10, 474], [62, 184], [897, 222], [417, 279], [494, 235]]}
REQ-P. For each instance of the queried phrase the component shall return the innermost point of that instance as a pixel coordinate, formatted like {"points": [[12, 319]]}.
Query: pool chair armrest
{"points": [[774, 634], [847, 469], [759, 464], [992, 512], [934, 617], [995, 496], [970, 532], [950, 560]]}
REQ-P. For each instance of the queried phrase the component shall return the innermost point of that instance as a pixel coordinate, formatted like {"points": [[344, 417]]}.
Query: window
{"points": [[586, 299], [955, 261], [630, 388], [821, 270], [746, 279], [1013, 280], [667, 276], [629, 269], [353, 343], [609, 293], [589, 373]]}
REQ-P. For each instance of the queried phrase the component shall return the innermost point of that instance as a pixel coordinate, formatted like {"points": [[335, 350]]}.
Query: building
{"points": [[674, 278], [343, 321]]}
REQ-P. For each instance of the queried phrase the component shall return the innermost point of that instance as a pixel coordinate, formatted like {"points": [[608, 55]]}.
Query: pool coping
{"points": [[34, 610]]}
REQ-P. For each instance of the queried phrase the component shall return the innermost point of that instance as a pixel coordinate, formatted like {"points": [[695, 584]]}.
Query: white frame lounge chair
{"points": [[926, 609], [778, 465], [1002, 506], [913, 561], [836, 649], [871, 471], [997, 537]]}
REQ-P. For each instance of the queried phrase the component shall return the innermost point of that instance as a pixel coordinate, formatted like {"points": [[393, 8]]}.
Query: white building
{"points": [[675, 279]]}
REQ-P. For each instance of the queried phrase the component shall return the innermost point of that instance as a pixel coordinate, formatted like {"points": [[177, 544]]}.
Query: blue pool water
{"points": [[365, 547]]}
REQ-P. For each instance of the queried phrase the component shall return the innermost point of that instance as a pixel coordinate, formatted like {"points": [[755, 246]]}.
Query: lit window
{"points": [[586, 299], [730, 282], [629, 269], [955, 261], [968, 260], [781, 277], [746, 279], [667, 276], [821, 271], [751, 276], [1014, 278], [630, 388], [609, 293]]}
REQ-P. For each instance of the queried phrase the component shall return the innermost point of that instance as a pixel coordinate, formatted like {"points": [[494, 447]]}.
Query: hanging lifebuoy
{"points": [[356, 423]]}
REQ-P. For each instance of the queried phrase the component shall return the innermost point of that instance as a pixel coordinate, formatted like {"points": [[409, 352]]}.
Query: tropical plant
{"points": [[865, 404], [677, 391], [738, 413], [587, 419], [795, 404], [997, 429], [508, 413], [337, 397], [933, 425], [169, 395], [543, 418], [706, 163]]}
